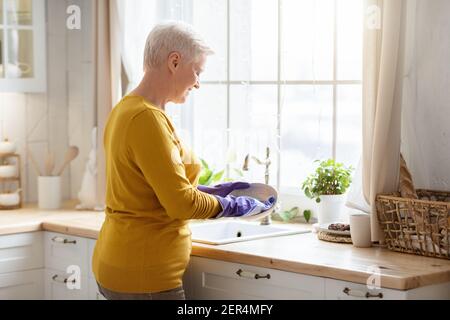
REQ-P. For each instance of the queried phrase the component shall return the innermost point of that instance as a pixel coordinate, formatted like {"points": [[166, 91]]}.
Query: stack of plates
{"points": [[261, 192], [324, 228]]}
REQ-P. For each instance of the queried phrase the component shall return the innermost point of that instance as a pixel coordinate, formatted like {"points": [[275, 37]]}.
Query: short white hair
{"points": [[171, 36]]}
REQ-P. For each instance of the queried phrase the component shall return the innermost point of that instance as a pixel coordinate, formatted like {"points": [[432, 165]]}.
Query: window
{"points": [[22, 45], [287, 74]]}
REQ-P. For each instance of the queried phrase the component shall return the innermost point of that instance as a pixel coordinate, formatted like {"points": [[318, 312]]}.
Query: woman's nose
{"points": [[197, 85]]}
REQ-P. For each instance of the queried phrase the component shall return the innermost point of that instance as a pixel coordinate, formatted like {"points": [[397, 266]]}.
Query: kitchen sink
{"points": [[223, 232]]}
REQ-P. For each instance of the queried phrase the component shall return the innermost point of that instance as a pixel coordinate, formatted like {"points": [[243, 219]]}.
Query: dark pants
{"points": [[174, 294]]}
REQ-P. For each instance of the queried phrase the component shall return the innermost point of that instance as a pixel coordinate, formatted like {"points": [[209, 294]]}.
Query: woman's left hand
{"points": [[223, 190]]}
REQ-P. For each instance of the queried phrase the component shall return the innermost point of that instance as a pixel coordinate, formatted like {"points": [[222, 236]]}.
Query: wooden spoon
{"points": [[49, 164], [71, 154], [34, 162]]}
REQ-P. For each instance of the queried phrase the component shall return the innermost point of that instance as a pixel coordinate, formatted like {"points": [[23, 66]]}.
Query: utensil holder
{"points": [[49, 192]]}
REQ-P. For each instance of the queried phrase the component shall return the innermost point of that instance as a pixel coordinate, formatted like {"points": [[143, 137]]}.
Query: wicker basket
{"points": [[416, 226]]}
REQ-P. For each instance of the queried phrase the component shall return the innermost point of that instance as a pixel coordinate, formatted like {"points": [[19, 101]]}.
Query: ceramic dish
{"points": [[324, 227], [261, 192], [8, 171]]}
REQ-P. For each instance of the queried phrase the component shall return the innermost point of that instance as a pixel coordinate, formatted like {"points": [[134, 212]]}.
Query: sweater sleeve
{"points": [[154, 150]]}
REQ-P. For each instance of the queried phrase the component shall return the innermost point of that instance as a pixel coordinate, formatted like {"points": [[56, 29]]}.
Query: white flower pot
{"points": [[330, 208]]}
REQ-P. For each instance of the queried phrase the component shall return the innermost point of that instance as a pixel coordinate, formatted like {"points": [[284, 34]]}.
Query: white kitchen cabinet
{"points": [[63, 251], [58, 286], [22, 285], [342, 290], [22, 46], [214, 279], [19, 252], [21, 266]]}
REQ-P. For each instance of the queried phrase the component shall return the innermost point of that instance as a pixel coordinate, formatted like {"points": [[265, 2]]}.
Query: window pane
{"points": [[208, 13], [2, 74], [349, 124], [20, 54], [253, 36], [306, 131], [253, 116], [350, 37], [307, 39], [19, 12], [210, 124]]}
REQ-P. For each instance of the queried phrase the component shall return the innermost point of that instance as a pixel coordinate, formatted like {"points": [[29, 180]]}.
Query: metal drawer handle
{"points": [[63, 240], [57, 278], [251, 275], [360, 294]]}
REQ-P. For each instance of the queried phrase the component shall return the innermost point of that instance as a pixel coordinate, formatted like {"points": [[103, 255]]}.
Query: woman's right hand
{"points": [[243, 206]]}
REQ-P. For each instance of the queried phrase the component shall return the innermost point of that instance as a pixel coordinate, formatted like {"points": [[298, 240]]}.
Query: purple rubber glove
{"points": [[222, 190], [242, 206]]}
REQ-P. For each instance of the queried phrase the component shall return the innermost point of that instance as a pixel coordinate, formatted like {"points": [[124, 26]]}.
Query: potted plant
{"points": [[328, 185]]}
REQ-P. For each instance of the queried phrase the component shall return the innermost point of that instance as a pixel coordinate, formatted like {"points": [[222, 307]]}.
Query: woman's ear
{"points": [[174, 61]]}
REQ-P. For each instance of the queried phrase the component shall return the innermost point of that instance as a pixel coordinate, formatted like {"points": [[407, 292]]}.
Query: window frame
{"points": [[335, 83]]}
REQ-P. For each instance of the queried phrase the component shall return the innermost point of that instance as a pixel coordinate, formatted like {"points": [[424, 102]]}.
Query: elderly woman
{"points": [[144, 244]]}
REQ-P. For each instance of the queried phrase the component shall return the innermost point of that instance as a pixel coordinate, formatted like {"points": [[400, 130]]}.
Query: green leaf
{"points": [[204, 164], [205, 177], [307, 215], [216, 177]]}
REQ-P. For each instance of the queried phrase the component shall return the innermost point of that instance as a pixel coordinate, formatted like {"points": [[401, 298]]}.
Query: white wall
{"points": [[426, 110], [65, 114]]}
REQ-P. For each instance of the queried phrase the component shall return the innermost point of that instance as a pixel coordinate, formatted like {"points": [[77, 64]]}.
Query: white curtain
{"points": [[426, 111], [384, 58], [107, 83]]}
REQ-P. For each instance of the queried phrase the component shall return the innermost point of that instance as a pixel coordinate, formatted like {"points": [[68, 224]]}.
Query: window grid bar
{"points": [[227, 170], [5, 42], [284, 82], [278, 137], [335, 61]]}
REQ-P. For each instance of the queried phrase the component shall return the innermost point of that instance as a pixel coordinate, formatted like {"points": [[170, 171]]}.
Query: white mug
{"points": [[49, 192], [360, 230]]}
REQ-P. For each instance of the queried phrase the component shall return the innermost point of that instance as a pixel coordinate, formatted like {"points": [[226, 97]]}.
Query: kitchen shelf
{"points": [[17, 180]]}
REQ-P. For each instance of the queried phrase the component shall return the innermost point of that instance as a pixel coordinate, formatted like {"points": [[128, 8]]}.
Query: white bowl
{"points": [[9, 199], [7, 147], [8, 171], [261, 192]]}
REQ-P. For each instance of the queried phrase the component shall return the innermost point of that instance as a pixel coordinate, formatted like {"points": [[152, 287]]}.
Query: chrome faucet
{"points": [[267, 220]]}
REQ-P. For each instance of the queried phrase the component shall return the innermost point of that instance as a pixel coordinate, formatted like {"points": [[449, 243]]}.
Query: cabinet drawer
{"points": [[22, 251], [343, 290], [24, 285], [62, 251], [56, 287], [213, 279]]}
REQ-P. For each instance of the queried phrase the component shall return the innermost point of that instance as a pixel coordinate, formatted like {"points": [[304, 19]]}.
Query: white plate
{"points": [[324, 227], [259, 191]]}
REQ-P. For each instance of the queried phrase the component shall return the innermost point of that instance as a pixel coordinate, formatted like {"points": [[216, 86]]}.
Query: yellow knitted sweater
{"points": [[144, 244]]}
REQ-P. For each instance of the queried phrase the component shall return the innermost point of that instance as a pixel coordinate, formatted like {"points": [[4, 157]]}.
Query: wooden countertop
{"points": [[302, 253]]}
